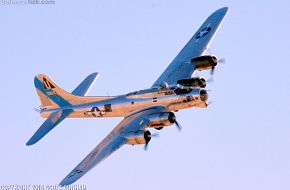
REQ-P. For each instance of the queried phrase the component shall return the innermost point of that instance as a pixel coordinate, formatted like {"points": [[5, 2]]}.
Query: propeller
{"points": [[209, 103], [172, 119], [147, 137], [222, 60], [212, 71]]}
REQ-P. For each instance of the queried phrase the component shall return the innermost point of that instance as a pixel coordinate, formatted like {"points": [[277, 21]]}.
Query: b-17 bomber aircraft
{"points": [[175, 89]]}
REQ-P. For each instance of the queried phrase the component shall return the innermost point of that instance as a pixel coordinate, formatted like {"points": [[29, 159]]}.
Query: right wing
{"points": [[56, 117], [115, 139], [180, 67]]}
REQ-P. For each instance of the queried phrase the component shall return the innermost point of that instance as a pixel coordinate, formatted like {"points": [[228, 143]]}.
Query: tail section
{"points": [[51, 96]]}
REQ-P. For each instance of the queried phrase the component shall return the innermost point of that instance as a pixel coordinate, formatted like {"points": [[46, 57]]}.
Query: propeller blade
{"points": [[209, 103], [212, 71], [146, 146], [211, 76], [178, 125], [155, 135], [222, 60]]}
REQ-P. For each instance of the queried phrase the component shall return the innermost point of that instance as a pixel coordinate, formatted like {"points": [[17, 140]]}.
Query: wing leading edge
{"points": [[180, 67], [112, 142]]}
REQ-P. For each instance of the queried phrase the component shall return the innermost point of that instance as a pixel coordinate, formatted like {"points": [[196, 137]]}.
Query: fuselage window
{"points": [[108, 107]]}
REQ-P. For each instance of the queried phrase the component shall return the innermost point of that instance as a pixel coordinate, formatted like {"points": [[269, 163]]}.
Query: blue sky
{"points": [[239, 142]]}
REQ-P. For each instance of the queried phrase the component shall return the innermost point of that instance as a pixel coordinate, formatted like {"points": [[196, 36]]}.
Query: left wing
{"points": [[180, 67], [115, 139]]}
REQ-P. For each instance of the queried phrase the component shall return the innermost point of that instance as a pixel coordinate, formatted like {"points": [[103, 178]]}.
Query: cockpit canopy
{"points": [[161, 91]]}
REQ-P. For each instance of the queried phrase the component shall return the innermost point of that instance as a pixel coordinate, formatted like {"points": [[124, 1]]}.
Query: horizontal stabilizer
{"points": [[84, 87], [53, 120]]}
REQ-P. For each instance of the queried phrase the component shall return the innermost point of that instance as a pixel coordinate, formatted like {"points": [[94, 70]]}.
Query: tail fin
{"points": [[51, 96]]}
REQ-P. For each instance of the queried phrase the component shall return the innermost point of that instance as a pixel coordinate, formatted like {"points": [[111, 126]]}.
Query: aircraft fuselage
{"points": [[173, 99]]}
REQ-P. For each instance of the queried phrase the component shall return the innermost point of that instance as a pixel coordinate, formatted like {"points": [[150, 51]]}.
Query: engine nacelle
{"points": [[193, 82], [138, 137], [159, 120], [204, 62]]}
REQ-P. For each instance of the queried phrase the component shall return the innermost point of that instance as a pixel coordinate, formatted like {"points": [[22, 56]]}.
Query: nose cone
{"points": [[214, 61], [203, 95]]}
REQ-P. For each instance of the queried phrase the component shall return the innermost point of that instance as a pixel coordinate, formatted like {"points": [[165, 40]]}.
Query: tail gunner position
{"points": [[174, 90]]}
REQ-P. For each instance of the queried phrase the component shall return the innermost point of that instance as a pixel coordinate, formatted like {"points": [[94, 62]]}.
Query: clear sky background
{"points": [[241, 141]]}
